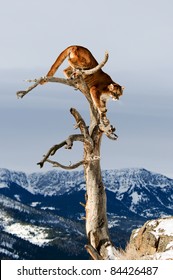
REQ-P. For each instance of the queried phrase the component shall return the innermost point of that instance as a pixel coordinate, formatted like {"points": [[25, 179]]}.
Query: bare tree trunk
{"points": [[96, 219], [96, 203]]}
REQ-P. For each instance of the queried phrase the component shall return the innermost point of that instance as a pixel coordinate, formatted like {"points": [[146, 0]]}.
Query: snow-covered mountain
{"points": [[32, 206], [143, 192]]}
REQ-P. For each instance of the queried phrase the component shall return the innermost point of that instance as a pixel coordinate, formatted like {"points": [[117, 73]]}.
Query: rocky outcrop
{"points": [[154, 239]]}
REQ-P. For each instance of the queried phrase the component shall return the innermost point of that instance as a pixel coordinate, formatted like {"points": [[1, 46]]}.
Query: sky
{"points": [[139, 38]]}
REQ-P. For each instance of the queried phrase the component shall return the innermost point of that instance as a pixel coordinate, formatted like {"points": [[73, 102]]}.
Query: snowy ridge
{"points": [[19, 178], [54, 182], [145, 193], [58, 182]]}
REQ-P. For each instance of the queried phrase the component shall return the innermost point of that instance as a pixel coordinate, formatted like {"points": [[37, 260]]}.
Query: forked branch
{"points": [[68, 143]]}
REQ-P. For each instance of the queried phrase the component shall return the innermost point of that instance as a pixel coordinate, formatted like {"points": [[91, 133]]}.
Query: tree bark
{"points": [[96, 202]]}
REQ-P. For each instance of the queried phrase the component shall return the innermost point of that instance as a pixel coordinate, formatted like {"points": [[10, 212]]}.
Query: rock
{"points": [[154, 239]]}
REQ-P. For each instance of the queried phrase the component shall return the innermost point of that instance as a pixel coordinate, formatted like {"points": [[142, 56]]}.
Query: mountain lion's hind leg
{"points": [[68, 72]]}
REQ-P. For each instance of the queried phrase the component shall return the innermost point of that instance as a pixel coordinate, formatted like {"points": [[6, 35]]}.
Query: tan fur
{"points": [[100, 84]]}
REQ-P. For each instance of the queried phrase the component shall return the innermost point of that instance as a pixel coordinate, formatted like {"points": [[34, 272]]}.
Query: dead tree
{"points": [[99, 243]]}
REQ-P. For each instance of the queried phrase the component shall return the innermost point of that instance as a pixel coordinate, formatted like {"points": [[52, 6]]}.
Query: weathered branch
{"points": [[70, 167], [80, 123], [22, 93], [68, 143]]}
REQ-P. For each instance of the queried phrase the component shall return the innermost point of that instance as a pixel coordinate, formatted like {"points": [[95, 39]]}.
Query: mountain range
{"points": [[41, 216]]}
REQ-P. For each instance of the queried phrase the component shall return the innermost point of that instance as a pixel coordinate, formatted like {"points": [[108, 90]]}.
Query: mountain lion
{"points": [[100, 84]]}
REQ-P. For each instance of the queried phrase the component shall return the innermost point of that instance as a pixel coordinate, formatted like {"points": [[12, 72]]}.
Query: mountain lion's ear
{"points": [[111, 87], [123, 87]]}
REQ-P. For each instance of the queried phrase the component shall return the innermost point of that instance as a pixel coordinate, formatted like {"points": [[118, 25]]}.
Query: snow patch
{"points": [[34, 234], [3, 185], [8, 253], [169, 246], [34, 204], [4, 218], [136, 232], [17, 197], [136, 197], [114, 223], [168, 255], [152, 223], [165, 226], [49, 208]]}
